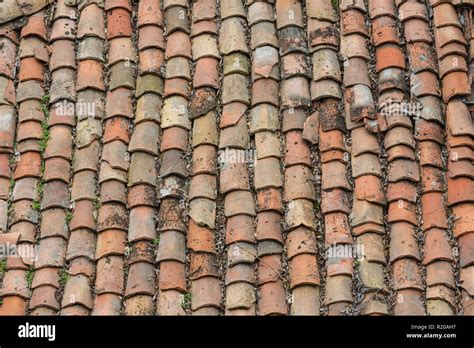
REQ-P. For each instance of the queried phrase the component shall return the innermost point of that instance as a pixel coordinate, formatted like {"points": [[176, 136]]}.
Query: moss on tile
{"points": [[3, 268], [185, 301], [63, 276], [29, 275]]}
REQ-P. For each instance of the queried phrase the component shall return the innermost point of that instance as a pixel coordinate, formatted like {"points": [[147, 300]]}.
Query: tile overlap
{"points": [[205, 157]]}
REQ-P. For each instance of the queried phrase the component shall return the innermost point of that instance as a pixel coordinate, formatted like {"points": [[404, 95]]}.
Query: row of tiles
{"points": [[280, 182]]}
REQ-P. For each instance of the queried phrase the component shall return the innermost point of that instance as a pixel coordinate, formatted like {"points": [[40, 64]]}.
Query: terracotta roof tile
{"points": [[168, 303], [139, 305], [463, 222], [301, 241], [337, 229], [303, 270], [203, 265], [141, 224], [448, 35], [90, 75], [268, 226], [91, 23], [424, 83], [368, 228], [35, 26], [234, 89], [384, 8], [352, 22], [461, 190], [298, 183], [272, 300], [239, 202], [322, 10], [409, 10], [44, 297], [406, 275], [170, 3], [466, 250], [203, 101], [154, 171], [455, 84], [240, 296], [204, 160], [170, 219], [288, 13], [338, 289], [149, 13], [203, 211], [240, 228], [63, 29], [320, 33], [8, 31], [445, 15], [339, 266], [402, 242], [7, 58], [263, 33], [258, 12], [203, 298], [450, 48], [350, 4], [240, 273], [150, 36], [241, 253], [466, 283], [300, 214], [440, 273], [204, 10], [353, 46], [206, 73], [231, 37], [236, 62], [417, 30], [306, 300]]}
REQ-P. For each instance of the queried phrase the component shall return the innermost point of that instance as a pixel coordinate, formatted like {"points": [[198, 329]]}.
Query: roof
{"points": [[236, 158], [12, 9]]}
